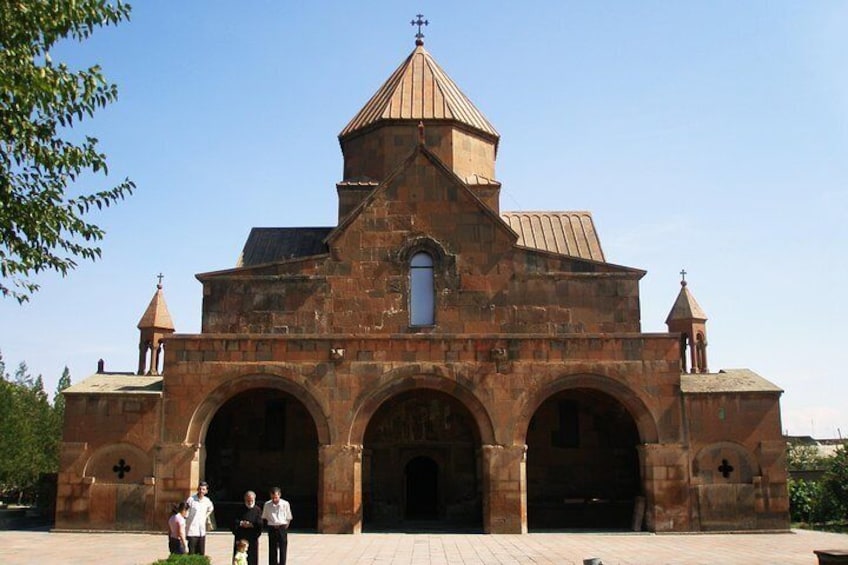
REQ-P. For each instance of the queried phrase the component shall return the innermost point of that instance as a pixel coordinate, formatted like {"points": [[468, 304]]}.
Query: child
{"points": [[240, 558], [177, 541]]}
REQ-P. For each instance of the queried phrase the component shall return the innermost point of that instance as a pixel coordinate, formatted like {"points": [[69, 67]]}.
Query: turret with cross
{"points": [[688, 319], [154, 326]]}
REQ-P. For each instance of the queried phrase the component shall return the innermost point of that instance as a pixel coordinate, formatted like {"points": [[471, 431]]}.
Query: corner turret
{"points": [[154, 326], [687, 318]]}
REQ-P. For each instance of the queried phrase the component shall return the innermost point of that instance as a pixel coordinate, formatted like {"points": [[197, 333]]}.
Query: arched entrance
{"points": [[582, 462], [420, 467], [258, 439]]}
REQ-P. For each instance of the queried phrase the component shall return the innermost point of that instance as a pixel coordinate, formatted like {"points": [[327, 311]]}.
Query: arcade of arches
{"points": [[421, 460]]}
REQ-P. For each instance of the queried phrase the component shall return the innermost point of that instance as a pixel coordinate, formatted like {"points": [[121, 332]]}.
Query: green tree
{"points": [[57, 420], [805, 501], [802, 457], [835, 484], [58, 398], [42, 226], [29, 438]]}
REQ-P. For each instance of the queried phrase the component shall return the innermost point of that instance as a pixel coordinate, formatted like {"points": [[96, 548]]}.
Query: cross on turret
{"points": [[687, 318], [419, 37]]}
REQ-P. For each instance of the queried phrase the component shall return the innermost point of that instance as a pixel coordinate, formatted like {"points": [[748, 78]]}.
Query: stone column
{"points": [[176, 472], [340, 489], [504, 489], [665, 477], [72, 490], [772, 497]]}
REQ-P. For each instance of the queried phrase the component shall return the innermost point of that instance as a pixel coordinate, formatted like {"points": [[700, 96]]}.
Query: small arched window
{"points": [[700, 354], [684, 353], [422, 298]]}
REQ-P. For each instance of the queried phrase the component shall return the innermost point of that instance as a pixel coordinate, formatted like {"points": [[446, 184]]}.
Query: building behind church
{"points": [[431, 361]]}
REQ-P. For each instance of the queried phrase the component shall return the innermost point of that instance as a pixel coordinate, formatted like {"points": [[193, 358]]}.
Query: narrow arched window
{"points": [[422, 298], [701, 353], [684, 353]]}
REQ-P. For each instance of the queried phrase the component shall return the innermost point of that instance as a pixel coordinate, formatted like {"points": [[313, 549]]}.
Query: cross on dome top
{"points": [[419, 37]]}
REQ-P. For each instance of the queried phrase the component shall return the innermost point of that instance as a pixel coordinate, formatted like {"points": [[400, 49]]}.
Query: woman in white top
{"points": [[177, 541]]}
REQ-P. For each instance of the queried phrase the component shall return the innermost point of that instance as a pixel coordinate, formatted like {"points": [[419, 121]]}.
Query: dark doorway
{"points": [[582, 464], [420, 466], [422, 489], [259, 439]]}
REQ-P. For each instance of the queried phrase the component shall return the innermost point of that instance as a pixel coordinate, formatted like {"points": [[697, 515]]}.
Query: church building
{"points": [[429, 362]]}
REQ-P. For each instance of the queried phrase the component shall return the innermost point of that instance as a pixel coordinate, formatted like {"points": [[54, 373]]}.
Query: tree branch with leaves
{"points": [[42, 226]]}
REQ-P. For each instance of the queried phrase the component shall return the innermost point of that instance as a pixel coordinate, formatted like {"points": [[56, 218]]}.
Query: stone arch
{"points": [[444, 263], [205, 411], [415, 417], [645, 422], [583, 470], [724, 462], [106, 463], [419, 243], [423, 376]]}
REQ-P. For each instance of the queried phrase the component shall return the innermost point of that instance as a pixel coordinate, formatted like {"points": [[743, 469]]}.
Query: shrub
{"points": [[826, 500], [835, 484], [805, 501], [184, 560]]}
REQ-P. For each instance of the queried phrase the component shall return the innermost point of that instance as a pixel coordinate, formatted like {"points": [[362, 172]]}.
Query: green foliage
{"points": [[835, 484], [58, 398], [184, 560], [823, 502], [804, 458], [805, 501], [42, 228], [30, 431]]}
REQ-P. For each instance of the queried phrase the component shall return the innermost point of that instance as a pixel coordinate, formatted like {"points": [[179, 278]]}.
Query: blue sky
{"points": [[706, 135]]}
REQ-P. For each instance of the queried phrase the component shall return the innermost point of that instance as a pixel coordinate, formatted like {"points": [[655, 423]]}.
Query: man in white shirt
{"points": [[277, 515], [200, 507]]}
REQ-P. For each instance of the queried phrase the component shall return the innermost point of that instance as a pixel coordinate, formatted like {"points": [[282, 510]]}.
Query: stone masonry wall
{"points": [[485, 284], [101, 431], [737, 453], [343, 380]]}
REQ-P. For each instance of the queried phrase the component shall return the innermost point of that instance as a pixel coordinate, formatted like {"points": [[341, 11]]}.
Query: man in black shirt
{"points": [[248, 526]]}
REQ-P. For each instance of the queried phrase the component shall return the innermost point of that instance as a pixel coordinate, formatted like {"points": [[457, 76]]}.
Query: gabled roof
{"points": [[567, 233], [270, 245], [419, 149], [685, 307], [419, 90], [156, 316]]}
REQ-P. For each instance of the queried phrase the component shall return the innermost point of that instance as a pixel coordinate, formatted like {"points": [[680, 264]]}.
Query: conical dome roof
{"points": [[685, 307], [419, 90], [156, 317]]}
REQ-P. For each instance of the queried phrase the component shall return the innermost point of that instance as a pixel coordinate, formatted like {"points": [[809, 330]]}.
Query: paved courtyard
{"points": [[44, 548]]}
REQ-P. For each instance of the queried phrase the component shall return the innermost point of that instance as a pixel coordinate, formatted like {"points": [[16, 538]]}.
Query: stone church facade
{"points": [[429, 362]]}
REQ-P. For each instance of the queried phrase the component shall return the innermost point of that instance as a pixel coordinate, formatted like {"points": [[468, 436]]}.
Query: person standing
{"points": [[200, 508], [240, 558], [247, 526], [177, 542], [277, 516]]}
